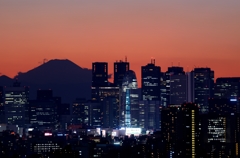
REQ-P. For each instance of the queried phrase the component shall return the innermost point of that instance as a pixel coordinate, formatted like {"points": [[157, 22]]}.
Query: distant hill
{"points": [[5, 81], [64, 77]]}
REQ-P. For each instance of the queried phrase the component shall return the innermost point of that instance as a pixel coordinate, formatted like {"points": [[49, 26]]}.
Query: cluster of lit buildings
{"points": [[194, 113]]}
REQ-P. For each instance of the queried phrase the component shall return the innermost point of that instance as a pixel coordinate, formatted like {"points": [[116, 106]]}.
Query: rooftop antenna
{"points": [[178, 63], [152, 60], [44, 61], [125, 58], [172, 64]]}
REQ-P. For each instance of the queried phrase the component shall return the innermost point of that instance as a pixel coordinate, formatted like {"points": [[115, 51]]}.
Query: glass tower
{"points": [[129, 97]]}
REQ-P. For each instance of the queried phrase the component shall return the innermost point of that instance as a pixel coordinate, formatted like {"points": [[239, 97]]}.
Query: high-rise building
{"points": [[188, 131], [95, 114], [220, 128], [99, 74], [149, 116], [178, 89], [99, 78], [223, 106], [203, 87], [120, 68], [151, 86], [169, 117], [176, 83], [110, 112], [129, 101], [88, 112], [105, 91], [180, 130], [228, 88], [43, 113], [46, 110], [15, 101], [217, 128], [80, 109]]}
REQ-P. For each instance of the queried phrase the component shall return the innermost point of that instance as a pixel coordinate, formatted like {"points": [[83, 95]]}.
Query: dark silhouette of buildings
{"points": [[44, 94], [229, 88], [175, 86], [180, 129], [203, 87], [120, 68], [150, 115], [110, 112], [99, 78], [15, 103], [151, 82]]}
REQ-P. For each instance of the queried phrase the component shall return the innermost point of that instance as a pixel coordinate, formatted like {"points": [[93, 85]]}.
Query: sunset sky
{"points": [[203, 33]]}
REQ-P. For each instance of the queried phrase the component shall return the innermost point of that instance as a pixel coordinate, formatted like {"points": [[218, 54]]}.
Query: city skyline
{"points": [[138, 73], [201, 34]]}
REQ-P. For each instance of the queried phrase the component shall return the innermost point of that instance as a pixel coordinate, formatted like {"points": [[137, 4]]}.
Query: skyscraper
{"points": [[176, 86], [129, 97], [180, 130], [99, 78], [44, 110], [80, 110], [120, 68], [228, 88], [169, 117], [110, 112], [151, 82], [16, 99], [149, 115], [178, 89], [203, 87], [188, 131]]}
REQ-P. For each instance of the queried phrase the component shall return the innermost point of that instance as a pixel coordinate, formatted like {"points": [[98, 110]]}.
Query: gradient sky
{"points": [[203, 33]]}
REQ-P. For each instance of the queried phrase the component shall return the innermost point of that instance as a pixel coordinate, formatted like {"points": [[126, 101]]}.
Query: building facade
{"points": [[129, 98], [120, 69], [15, 102], [151, 86], [203, 87]]}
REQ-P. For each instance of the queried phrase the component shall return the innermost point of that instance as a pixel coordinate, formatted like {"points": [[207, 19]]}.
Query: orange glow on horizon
{"points": [[194, 34]]}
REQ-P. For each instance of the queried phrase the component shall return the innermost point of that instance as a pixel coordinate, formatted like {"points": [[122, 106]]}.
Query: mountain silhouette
{"points": [[5, 80], [64, 77]]}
